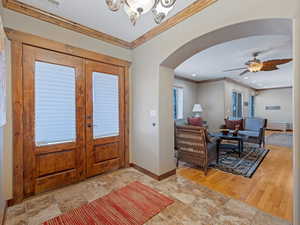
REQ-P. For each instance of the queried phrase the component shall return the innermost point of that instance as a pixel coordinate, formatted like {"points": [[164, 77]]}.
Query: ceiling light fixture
{"points": [[194, 75], [255, 65], [135, 8], [246, 78]]}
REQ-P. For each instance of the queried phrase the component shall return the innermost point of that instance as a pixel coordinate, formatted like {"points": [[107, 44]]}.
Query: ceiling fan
{"points": [[255, 65]]}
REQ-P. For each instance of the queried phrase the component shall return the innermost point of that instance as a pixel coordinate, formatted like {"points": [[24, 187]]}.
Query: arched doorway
{"points": [[230, 33]]}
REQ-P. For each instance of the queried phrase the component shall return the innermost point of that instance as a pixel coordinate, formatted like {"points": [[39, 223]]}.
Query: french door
{"points": [[104, 117], [73, 119]]}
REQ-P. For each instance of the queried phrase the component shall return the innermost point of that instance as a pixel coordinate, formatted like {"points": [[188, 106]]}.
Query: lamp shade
{"points": [[197, 108]]}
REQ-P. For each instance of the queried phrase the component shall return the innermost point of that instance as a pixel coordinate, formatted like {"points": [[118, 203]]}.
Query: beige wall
{"points": [[30, 25], [2, 192], [245, 91], [211, 97], [216, 99], [149, 56], [296, 105], [166, 155], [275, 97], [2, 195], [190, 95]]}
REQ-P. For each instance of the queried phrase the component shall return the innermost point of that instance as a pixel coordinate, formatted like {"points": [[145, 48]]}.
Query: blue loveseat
{"points": [[254, 128]]}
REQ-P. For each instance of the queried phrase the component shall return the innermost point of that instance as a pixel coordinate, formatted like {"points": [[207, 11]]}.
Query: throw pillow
{"points": [[233, 124], [195, 121]]}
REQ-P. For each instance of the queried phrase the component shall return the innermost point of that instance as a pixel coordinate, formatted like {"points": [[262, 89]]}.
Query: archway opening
{"points": [[219, 92]]}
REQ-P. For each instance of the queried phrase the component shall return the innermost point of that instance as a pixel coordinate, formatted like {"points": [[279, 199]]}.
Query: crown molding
{"points": [[34, 12], [210, 80], [274, 88], [239, 83], [185, 79], [182, 15]]}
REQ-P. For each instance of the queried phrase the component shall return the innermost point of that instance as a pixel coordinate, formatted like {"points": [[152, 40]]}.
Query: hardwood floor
{"points": [[270, 189]]}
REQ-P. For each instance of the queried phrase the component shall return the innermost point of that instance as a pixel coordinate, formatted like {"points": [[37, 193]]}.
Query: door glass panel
{"points": [[55, 112], [105, 105]]}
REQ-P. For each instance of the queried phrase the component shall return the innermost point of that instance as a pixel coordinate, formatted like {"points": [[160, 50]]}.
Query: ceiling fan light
{"points": [[255, 66]]}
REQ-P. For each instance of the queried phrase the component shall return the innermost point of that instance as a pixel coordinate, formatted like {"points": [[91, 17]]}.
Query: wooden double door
{"points": [[73, 119]]}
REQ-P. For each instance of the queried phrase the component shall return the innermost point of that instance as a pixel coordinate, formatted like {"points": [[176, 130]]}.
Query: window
{"points": [[177, 103], [54, 104], [251, 106], [237, 106], [105, 105]]}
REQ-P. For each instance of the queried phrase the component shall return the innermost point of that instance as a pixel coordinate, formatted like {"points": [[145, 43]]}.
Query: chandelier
{"points": [[135, 8]]}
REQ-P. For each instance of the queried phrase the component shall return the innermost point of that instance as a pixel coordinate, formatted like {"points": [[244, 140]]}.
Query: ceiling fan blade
{"points": [[277, 61], [244, 72], [272, 64], [269, 67], [235, 69], [270, 49]]}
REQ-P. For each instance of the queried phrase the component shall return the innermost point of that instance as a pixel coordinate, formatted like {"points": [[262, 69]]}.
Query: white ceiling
{"points": [[96, 15], [210, 63]]}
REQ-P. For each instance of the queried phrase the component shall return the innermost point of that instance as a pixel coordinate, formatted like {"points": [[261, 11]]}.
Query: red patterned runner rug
{"points": [[133, 204]]}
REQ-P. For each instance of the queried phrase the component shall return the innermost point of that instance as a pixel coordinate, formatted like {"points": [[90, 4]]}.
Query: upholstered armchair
{"points": [[255, 128], [193, 146]]}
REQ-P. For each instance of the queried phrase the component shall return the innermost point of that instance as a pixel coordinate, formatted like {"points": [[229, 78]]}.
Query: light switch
{"points": [[153, 113]]}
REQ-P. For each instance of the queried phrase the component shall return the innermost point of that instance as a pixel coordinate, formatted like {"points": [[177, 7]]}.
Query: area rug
{"points": [[133, 204], [280, 139], [246, 165]]}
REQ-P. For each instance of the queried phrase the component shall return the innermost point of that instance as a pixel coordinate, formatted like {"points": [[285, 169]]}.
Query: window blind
{"points": [[105, 105], [178, 102], [55, 104]]}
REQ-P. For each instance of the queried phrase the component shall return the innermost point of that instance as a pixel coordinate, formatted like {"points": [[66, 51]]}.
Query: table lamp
{"points": [[197, 109]]}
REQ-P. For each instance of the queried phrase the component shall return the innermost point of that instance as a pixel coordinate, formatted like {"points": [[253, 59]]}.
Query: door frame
{"points": [[18, 39]]}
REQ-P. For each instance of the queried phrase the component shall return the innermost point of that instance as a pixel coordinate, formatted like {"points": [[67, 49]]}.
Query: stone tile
{"points": [[262, 218], [44, 215], [241, 209], [157, 220], [93, 190], [194, 204], [67, 202], [234, 213], [207, 204], [174, 210], [21, 219], [15, 210], [192, 216], [35, 204]]}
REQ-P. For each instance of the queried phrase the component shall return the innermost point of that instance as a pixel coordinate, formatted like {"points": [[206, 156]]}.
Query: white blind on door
{"points": [[55, 111], [105, 105]]}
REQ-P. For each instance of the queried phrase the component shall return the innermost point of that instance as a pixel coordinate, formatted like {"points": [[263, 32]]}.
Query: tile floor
{"points": [[194, 204]]}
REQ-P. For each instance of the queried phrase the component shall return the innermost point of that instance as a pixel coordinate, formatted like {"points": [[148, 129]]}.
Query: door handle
{"points": [[89, 125]]}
